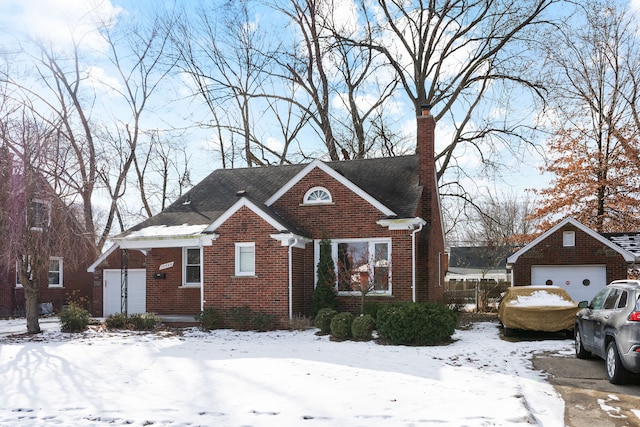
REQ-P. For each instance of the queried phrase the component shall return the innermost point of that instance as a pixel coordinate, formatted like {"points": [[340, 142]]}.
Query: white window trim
{"points": [[334, 252], [240, 245], [184, 268], [61, 272], [306, 201], [568, 239]]}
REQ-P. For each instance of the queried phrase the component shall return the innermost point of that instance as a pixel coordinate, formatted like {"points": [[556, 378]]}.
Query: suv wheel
{"points": [[581, 352], [616, 373]]}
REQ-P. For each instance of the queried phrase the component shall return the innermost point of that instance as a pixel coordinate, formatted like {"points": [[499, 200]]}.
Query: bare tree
{"points": [[594, 64], [495, 222], [35, 223], [222, 51], [465, 57]]}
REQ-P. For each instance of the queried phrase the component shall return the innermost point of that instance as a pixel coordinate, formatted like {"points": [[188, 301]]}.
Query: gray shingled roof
{"points": [[627, 241], [393, 181]]}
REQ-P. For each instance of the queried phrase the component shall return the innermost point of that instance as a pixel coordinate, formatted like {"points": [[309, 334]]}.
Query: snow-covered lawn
{"points": [[282, 378]]}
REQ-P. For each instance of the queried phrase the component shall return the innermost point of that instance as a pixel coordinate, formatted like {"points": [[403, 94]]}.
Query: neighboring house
{"points": [[57, 286], [574, 257], [478, 263], [250, 237]]}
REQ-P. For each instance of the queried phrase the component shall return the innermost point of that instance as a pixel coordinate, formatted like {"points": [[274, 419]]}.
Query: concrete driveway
{"points": [[590, 399]]}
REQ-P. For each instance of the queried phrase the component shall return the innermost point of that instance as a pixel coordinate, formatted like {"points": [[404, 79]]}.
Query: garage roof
{"points": [[628, 255]]}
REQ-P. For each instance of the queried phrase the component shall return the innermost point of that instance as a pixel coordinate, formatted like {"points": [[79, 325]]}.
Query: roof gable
{"points": [[628, 257], [335, 175], [245, 202]]}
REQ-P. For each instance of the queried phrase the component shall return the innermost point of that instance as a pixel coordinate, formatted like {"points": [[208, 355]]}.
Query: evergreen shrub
{"points": [[240, 318], [74, 318], [143, 321], [209, 319], [322, 320], [362, 327], [263, 322], [415, 323], [341, 326], [116, 321]]}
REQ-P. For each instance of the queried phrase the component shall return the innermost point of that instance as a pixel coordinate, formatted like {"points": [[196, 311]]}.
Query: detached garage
{"points": [[572, 256]]}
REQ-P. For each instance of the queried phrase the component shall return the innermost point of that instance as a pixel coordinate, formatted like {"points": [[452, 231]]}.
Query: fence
{"points": [[483, 295]]}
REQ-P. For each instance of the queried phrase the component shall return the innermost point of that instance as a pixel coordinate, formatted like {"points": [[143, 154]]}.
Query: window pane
{"points": [[353, 266], [381, 267], [193, 256], [611, 300], [193, 274], [623, 300], [246, 259]]}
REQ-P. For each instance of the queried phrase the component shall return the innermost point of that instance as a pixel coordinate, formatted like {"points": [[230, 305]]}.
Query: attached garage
{"points": [[136, 291], [573, 257], [581, 282]]}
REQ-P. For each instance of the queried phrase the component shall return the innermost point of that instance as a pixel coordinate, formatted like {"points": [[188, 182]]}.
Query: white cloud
{"points": [[58, 21]]}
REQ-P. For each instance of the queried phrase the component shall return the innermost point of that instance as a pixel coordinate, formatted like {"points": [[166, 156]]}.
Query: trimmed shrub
{"points": [[362, 327], [324, 294], [209, 319], [322, 320], [341, 326], [143, 322], [116, 321], [240, 318], [263, 322], [372, 308], [416, 324], [74, 318]]}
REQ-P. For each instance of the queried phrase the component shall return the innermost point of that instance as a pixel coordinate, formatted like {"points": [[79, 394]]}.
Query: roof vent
{"points": [[241, 193]]}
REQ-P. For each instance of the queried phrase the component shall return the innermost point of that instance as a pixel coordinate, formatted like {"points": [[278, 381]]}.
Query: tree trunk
{"points": [[32, 295]]}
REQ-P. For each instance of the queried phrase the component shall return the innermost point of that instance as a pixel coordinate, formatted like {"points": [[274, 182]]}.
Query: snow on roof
{"points": [[541, 298], [168, 231]]}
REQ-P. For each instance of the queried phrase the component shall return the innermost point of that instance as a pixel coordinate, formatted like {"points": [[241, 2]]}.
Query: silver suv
{"points": [[609, 326]]}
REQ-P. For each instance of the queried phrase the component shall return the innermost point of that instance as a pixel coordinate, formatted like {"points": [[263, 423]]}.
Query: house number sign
{"points": [[165, 265]]}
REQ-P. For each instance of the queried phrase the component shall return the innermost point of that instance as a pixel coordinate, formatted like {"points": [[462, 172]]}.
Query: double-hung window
{"points": [[55, 272], [192, 262], [245, 259]]}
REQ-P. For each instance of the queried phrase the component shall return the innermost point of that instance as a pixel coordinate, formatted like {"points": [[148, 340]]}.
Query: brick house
{"points": [[574, 257], [250, 237], [66, 279]]}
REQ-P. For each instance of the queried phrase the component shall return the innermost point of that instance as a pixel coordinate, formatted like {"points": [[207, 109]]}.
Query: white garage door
{"points": [[136, 291], [582, 282]]}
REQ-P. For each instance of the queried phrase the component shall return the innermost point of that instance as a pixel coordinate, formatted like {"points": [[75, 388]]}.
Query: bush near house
{"points": [[341, 326], [209, 319], [143, 322], [74, 318], [116, 321], [322, 320], [362, 327], [263, 322], [415, 323]]}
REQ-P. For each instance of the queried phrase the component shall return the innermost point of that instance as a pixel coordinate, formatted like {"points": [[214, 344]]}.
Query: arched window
{"points": [[317, 196]]}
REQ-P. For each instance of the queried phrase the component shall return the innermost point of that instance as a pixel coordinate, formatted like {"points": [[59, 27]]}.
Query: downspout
{"points": [[291, 245], [201, 279], [413, 261]]}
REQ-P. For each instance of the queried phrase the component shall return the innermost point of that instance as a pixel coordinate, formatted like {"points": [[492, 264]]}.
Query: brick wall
{"points": [[587, 250], [268, 290], [348, 217]]}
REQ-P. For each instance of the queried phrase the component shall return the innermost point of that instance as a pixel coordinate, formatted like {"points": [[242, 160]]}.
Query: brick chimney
{"points": [[425, 147]]}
